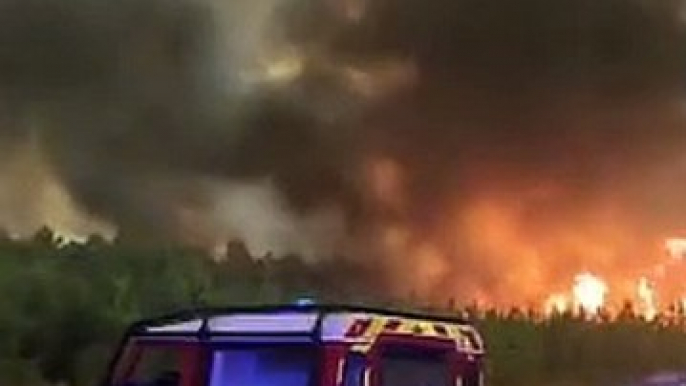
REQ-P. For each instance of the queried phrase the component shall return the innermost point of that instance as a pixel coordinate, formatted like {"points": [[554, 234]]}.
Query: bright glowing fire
{"points": [[524, 246], [589, 292], [557, 303], [676, 247], [648, 298]]}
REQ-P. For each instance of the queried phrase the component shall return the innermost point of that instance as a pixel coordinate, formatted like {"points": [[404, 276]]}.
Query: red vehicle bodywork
{"points": [[302, 346]]}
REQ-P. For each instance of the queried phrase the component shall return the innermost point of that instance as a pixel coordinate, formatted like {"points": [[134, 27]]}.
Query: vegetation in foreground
{"points": [[65, 305]]}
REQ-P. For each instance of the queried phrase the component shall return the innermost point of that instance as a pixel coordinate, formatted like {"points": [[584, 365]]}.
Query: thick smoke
{"points": [[140, 105], [534, 138], [466, 144]]}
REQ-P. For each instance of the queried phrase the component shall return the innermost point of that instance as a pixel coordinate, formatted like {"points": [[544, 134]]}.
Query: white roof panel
{"points": [[295, 322], [192, 326]]}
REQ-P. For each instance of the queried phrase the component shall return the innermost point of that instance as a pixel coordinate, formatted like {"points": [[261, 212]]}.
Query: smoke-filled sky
{"points": [[475, 148]]}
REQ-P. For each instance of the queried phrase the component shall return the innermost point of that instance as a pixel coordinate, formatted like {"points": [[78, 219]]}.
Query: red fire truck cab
{"points": [[299, 346]]}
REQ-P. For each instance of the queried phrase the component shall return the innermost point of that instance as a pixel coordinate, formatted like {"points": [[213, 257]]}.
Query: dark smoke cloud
{"points": [[469, 97], [104, 82], [124, 96], [509, 98], [576, 91]]}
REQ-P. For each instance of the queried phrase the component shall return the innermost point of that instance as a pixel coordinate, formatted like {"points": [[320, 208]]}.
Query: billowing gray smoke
{"points": [[127, 101], [556, 108]]}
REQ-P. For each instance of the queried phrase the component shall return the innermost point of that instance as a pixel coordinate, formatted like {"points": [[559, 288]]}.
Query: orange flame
{"points": [[519, 247]]}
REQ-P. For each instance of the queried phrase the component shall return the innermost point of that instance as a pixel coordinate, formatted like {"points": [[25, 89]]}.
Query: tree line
{"points": [[65, 304]]}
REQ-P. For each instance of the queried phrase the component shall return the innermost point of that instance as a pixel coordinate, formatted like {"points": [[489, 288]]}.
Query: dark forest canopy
{"points": [[65, 304]]}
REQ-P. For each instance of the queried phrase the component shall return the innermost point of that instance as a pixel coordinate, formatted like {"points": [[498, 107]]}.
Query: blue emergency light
{"points": [[305, 302]]}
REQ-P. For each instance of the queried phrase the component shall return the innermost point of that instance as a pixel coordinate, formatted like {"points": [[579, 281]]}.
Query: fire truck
{"points": [[299, 345]]}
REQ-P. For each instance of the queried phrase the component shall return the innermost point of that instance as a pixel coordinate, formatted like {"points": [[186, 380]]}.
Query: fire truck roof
{"points": [[316, 322]]}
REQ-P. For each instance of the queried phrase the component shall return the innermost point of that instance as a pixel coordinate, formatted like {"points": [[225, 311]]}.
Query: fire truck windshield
{"points": [[254, 365]]}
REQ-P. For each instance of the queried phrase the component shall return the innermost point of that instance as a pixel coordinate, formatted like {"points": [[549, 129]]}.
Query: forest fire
{"points": [[589, 295], [511, 154], [597, 258], [508, 168]]}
